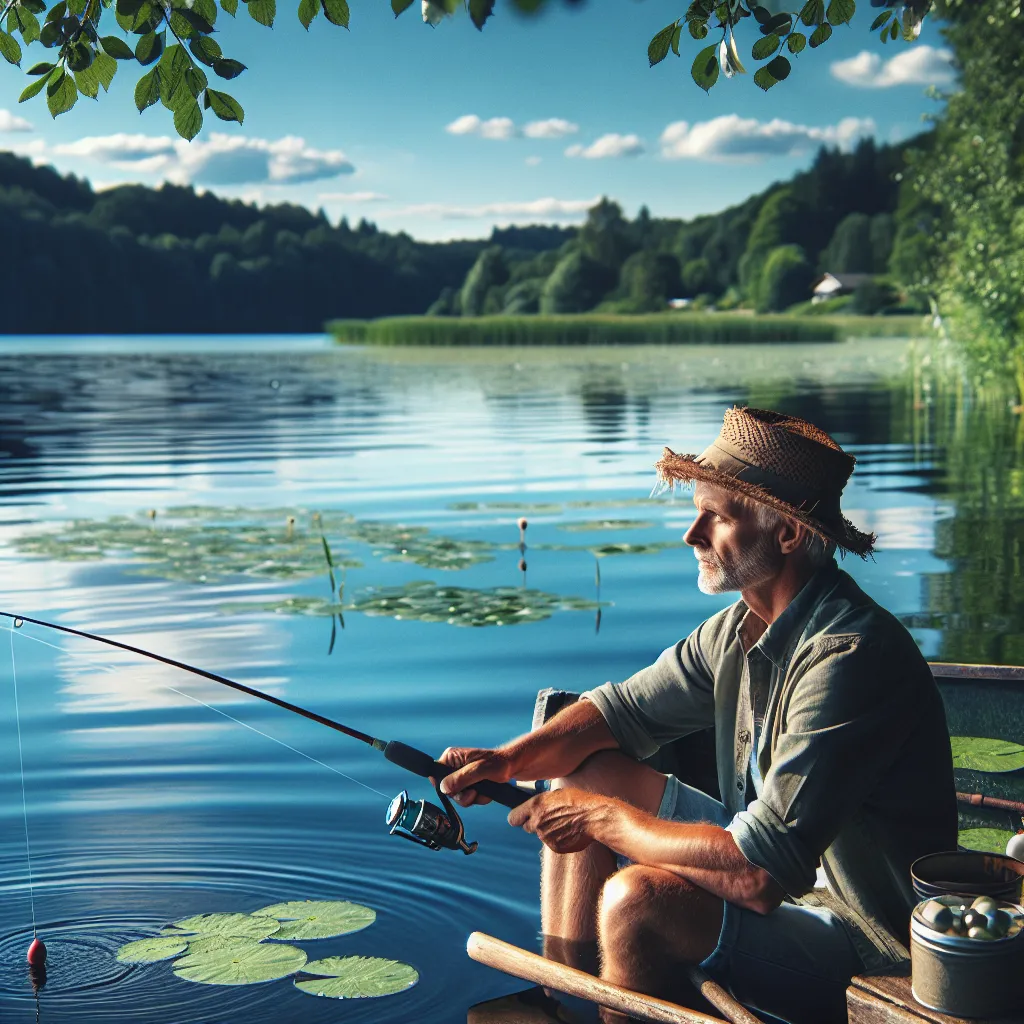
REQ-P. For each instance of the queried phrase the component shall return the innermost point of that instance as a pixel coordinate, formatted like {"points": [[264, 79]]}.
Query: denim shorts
{"points": [[793, 964]]}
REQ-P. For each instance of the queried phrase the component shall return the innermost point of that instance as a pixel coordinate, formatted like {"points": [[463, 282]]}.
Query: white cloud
{"points": [[532, 161], [10, 123], [552, 128], [608, 146], [548, 208], [917, 65], [493, 128], [352, 197], [219, 160], [735, 138]]}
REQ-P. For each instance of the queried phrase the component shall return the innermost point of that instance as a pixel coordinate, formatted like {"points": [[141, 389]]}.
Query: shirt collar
{"points": [[777, 641]]}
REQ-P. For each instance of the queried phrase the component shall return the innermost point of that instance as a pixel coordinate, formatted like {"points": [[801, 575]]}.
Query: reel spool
{"points": [[427, 824]]}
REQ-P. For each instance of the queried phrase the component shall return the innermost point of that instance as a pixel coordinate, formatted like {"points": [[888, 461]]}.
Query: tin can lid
{"points": [[966, 922]]}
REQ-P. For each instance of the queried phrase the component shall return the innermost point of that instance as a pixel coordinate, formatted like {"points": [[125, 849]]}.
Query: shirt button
{"points": [[739, 785]]}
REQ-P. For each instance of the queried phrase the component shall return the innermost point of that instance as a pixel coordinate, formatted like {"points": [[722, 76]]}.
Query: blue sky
{"points": [[446, 131]]}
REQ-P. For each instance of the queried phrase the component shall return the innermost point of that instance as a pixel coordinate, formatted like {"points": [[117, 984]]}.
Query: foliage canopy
{"points": [[175, 43]]}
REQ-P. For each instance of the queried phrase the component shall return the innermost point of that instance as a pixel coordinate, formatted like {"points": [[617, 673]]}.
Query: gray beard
{"points": [[752, 567]]}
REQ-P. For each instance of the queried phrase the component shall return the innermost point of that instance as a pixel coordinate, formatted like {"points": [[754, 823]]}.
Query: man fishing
{"points": [[833, 757]]}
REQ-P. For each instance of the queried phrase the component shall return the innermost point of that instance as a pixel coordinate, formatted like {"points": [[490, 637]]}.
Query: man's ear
{"points": [[791, 535]]}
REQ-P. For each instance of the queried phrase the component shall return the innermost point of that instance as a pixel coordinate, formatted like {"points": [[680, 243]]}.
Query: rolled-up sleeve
{"points": [[671, 698], [849, 714]]}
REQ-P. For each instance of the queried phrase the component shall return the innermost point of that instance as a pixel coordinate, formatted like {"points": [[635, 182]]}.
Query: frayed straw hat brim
{"points": [[674, 468]]}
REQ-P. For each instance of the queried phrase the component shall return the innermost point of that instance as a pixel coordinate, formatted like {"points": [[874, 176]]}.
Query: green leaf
{"points": [[147, 89], [26, 23], [986, 755], [228, 68], [765, 47], [327, 552], [149, 951], [32, 90], [10, 48], [80, 55], [77, 6], [894, 31], [813, 12], [40, 69], [57, 12], [698, 29], [226, 107], [35, 6], [238, 963], [841, 11], [229, 6], [762, 14], [675, 39], [780, 23], [196, 80], [100, 73], [61, 94], [188, 118], [308, 10], [705, 67], [206, 9], [173, 64], [357, 977], [336, 11], [117, 48], [764, 79], [318, 919], [263, 11], [149, 48], [795, 42], [480, 11], [205, 50], [658, 47], [880, 20], [398, 6], [821, 34], [50, 34], [987, 840], [239, 926], [779, 68], [195, 21]]}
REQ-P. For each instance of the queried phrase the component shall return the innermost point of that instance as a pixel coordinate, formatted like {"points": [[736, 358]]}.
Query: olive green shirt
{"points": [[852, 751]]}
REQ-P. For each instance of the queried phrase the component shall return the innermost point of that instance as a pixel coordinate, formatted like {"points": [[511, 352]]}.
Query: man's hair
{"points": [[819, 551]]}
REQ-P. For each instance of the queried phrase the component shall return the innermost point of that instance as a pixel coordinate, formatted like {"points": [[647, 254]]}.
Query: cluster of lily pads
{"points": [[982, 754], [246, 949]]}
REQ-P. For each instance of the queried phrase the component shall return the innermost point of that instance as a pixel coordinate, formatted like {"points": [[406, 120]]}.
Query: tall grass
{"points": [[608, 329]]}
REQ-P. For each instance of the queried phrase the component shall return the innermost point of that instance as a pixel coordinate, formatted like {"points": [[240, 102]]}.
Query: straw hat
{"points": [[781, 461]]}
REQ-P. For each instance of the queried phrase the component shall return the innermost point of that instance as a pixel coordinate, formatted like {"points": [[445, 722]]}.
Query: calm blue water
{"points": [[145, 806]]}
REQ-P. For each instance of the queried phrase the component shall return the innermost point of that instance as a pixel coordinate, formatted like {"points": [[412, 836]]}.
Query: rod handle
{"points": [[520, 963], [422, 764]]}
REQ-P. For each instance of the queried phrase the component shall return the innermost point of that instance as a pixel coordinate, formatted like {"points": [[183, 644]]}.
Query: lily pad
{"points": [[357, 977], [242, 926], [987, 840], [149, 951], [607, 524], [239, 963], [986, 755], [318, 919]]}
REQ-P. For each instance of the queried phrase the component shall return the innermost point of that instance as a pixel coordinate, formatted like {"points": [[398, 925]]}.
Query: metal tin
{"points": [[963, 976], [968, 871]]}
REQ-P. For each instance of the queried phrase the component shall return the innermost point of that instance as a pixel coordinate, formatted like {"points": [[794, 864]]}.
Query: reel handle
{"points": [[419, 763]]}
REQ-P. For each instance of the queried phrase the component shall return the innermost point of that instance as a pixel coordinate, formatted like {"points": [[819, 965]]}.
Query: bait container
{"points": [[967, 955]]}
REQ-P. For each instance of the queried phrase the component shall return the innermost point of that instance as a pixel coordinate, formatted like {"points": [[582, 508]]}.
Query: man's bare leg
{"points": [[571, 883]]}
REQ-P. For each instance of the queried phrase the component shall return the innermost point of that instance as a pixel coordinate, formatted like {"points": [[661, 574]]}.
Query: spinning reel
{"points": [[427, 824]]}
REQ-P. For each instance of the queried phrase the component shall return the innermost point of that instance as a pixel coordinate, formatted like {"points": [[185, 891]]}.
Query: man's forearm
{"points": [[703, 854], [561, 745]]}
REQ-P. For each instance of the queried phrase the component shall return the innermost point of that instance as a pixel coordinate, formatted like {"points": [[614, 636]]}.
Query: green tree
{"points": [[649, 279], [577, 283], [785, 280], [850, 250], [489, 270], [606, 237], [696, 277]]}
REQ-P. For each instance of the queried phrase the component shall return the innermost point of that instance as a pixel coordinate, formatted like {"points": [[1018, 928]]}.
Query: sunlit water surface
{"points": [[145, 806]]}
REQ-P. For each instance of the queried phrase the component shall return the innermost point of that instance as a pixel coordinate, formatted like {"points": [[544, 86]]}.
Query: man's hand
{"points": [[563, 819], [473, 764]]}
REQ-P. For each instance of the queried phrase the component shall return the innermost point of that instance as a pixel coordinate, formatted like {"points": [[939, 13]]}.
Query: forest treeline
{"points": [[138, 259]]}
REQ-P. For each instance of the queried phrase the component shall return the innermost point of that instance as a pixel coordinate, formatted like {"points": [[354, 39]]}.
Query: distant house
{"points": [[679, 303], [829, 286]]}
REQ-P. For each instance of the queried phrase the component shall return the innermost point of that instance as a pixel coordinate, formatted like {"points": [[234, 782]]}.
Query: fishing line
{"points": [[110, 669], [24, 802]]}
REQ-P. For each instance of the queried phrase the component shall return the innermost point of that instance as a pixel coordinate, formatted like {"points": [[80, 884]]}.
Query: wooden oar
{"points": [[503, 956], [980, 800]]}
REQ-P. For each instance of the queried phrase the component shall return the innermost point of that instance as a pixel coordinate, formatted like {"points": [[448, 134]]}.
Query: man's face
{"points": [[733, 550]]}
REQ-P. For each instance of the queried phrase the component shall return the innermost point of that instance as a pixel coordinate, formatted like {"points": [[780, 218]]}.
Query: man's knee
{"points": [[630, 900], [612, 773]]}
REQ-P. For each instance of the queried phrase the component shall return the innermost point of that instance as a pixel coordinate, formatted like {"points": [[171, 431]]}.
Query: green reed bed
{"points": [[597, 329]]}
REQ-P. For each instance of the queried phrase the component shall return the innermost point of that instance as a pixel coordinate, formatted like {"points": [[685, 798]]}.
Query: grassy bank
{"points": [[595, 329]]}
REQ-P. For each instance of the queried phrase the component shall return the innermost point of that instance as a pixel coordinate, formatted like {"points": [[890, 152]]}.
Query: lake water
{"points": [[146, 805]]}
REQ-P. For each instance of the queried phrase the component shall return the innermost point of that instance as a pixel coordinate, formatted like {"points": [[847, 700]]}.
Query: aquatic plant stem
{"points": [[24, 801]]}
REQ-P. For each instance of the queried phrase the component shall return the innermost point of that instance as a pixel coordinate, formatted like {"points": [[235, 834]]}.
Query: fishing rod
{"points": [[419, 820]]}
